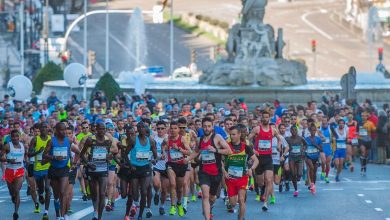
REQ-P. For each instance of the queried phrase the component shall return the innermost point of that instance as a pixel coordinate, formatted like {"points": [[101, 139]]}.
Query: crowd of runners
{"points": [[173, 154]]}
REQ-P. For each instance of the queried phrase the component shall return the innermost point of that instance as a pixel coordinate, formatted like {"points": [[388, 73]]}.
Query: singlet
{"points": [[312, 151], [236, 163], [140, 154], [38, 158], [160, 165], [263, 144], [174, 155], [98, 154], [327, 133], [275, 152], [60, 150], [295, 147], [365, 131], [17, 154], [352, 135], [80, 136], [210, 162], [341, 141]]}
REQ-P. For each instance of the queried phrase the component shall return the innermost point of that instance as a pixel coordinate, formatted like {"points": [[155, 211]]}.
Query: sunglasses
{"points": [[182, 127], [160, 129], [85, 127]]}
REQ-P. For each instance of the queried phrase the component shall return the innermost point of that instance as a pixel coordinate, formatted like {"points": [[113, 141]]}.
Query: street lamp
{"points": [[107, 38], [85, 48], [171, 41]]}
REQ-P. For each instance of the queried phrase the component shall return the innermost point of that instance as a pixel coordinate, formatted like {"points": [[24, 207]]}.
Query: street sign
{"points": [[155, 69]]}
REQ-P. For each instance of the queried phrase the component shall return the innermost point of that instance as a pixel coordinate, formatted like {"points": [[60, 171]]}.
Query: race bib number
{"points": [[176, 155], [39, 157], [311, 150], [363, 132], [341, 144], [296, 149], [235, 172], [327, 141], [18, 157], [60, 152], [207, 157], [99, 153], [354, 141], [142, 155], [264, 144]]}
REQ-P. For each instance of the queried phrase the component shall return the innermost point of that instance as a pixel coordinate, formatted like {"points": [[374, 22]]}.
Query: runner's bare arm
{"points": [[154, 149], [46, 157], [187, 150], [253, 133], [222, 146]]}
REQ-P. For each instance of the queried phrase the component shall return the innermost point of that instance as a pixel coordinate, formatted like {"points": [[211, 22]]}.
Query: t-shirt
{"points": [[217, 130], [248, 150]]}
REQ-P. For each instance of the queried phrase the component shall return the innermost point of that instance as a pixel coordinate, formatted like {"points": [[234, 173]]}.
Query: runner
{"points": [[341, 135], [263, 135], [280, 151], [314, 147], [57, 152], [139, 157], [365, 132], [210, 149], [326, 136], [236, 171], [297, 146], [160, 175], [353, 140], [112, 177], [37, 146], [178, 147], [13, 153], [96, 152], [73, 170]]}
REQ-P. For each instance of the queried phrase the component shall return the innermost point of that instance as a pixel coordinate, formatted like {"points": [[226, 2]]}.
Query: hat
{"points": [[110, 126], [227, 113], [108, 121]]}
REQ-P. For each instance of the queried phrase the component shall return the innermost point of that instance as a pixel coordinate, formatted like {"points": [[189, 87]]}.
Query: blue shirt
{"points": [[217, 130]]}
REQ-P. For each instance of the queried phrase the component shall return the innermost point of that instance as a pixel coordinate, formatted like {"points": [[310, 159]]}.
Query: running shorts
{"points": [[327, 150], [40, 174], [58, 173], [367, 144], [214, 182], [236, 184], [11, 174], [265, 163], [163, 173], [124, 173], [340, 153], [179, 169]]}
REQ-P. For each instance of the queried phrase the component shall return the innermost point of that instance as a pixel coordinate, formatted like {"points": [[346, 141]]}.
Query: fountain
{"points": [[255, 57], [137, 39]]}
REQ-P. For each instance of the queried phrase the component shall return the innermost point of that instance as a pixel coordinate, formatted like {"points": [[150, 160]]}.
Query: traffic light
{"points": [[313, 45], [380, 53], [193, 56], [91, 57]]}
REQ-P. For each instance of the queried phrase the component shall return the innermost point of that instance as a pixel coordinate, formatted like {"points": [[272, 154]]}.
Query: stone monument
{"points": [[254, 56]]}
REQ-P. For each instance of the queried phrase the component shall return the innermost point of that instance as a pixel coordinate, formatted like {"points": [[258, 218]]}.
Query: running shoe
{"points": [[351, 168], [322, 176], [180, 210], [296, 194], [41, 199], [149, 213], [45, 216], [327, 180], [280, 188], [251, 187], [272, 200], [127, 217], [139, 218], [287, 186], [257, 198], [193, 198], [337, 178], [161, 210], [85, 197], [230, 208], [172, 210], [262, 198], [199, 194], [265, 207], [156, 199], [313, 189], [345, 166], [133, 211], [15, 216], [37, 209]]}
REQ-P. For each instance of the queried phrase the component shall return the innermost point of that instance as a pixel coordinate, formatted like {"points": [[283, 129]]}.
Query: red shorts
{"points": [[234, 185], [11, 174]]}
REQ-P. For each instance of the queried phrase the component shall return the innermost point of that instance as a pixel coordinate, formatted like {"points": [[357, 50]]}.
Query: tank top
{"points": [[341, 141], [62, 150], [295, 147], [174, 155], [312, 151], [38, 158], [275, 152], [140, 154], [160, 165], [16, 154], [326, 132], [210, 162], [263, 144], [98, 154], [352, 136], [236, 163]]}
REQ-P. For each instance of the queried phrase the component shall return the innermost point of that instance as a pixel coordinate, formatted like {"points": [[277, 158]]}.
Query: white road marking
{"points": [[2, 201], [347, 179], [373, 189], [379, 209], [320, 31], [368, 201], [360, 195], [84, 212], [336, 189]]}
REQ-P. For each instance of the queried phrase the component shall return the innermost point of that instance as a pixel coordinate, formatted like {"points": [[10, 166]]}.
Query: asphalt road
{"points": [[355, 197]]}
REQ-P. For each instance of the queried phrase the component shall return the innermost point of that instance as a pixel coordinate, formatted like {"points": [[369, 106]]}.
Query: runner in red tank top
{"points": [[263, 135], [353, 140], [210, 149], [177, 167]]}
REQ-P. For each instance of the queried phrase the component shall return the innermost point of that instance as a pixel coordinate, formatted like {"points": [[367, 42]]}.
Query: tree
{"points": [[49, 72], [109, 86]]}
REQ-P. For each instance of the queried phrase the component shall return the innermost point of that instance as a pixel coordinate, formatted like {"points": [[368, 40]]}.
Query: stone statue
{"points": [[254, 55]]}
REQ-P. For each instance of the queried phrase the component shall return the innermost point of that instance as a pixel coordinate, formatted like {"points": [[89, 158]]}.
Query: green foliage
{"points": [[49, 72], [109, 86], [199, 17], [224, 25], [214, 22]]}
